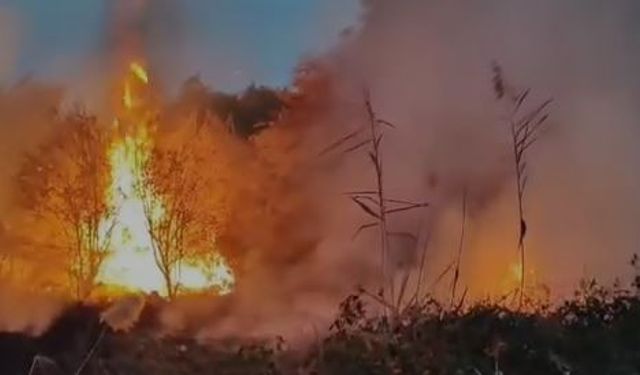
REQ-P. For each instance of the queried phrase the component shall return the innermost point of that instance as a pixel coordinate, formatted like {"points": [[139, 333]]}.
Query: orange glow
{"points": [[127, 98], [132, 262], [139, 72], [512, 281], [516, 273]]}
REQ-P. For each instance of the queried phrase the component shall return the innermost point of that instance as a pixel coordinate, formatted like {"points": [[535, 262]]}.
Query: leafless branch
{"points": [[336, 144]]}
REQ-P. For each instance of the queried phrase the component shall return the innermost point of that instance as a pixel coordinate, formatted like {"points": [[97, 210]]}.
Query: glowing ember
{"points": [[139, 72], [516, 272], [132, 264], [218, 274], [127, 98]]}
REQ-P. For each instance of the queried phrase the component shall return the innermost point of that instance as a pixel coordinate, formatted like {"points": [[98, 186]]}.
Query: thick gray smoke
{"points": [[427, 64]]}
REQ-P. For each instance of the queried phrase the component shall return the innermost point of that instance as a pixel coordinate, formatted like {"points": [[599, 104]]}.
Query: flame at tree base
{"points": [[131, 265]]}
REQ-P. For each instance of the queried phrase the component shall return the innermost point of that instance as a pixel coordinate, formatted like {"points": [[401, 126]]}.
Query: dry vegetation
{"points": [[595, 332]]}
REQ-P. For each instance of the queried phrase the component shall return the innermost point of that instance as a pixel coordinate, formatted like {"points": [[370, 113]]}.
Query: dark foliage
{"points": [[63, 348], [596, 333], [65, 342], [144, 353], [247, 112]]}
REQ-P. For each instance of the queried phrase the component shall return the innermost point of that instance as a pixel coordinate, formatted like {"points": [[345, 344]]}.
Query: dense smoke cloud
{"points": [[427, 64], [26, 311]]}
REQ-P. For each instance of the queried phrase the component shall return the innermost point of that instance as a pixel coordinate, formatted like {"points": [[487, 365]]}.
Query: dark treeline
{"points": [[246, 113]]}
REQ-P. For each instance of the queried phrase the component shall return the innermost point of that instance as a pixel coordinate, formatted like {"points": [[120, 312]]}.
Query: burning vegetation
{"points": [[128, 211], [159, 207], [210, 232]]}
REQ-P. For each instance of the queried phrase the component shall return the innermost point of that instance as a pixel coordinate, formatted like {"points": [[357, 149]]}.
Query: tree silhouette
{"points": [[62, 187], [176, 194]]}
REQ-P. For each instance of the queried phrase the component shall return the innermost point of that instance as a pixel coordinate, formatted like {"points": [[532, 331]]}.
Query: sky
{"points": [[230, 43]]}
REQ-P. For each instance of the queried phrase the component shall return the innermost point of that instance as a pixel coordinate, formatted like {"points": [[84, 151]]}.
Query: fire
{"points": [[139, 72], [514, 278], [516, 272], [132, 264]]}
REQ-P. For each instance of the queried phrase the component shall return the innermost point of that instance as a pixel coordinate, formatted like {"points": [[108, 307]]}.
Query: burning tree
{"points": [[163, 231], [176, 194], [61, 186]]}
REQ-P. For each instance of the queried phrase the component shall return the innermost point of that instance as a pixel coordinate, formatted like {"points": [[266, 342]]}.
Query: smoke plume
{"points": [[427, 65]]}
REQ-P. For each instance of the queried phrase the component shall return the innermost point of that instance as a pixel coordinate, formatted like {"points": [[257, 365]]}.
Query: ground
{"points": [[596, 332]]}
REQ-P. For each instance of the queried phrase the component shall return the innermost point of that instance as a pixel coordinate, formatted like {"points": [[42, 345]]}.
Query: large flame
{"points": [[131, 263]]}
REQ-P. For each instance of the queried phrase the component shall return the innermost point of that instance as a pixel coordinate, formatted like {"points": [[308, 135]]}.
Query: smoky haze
{"points": [[428, 66], [152, 30]]}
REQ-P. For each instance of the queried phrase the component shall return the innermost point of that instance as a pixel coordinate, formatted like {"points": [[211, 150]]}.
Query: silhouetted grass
{"points": [[596, 331]]}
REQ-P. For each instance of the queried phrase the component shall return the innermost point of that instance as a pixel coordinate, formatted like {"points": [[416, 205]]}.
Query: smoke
{"points": [[427, 65], [26, 111], [428, 68], [287, 284], [27, 311], [154, 31]]}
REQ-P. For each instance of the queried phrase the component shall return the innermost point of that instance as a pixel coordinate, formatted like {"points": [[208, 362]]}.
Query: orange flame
{"points": [[131, 264], [139, 72], [127, 98]]}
